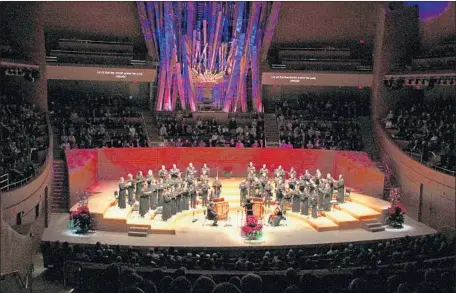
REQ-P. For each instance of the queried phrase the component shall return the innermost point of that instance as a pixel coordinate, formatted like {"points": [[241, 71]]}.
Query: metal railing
{"points": [[25, 283], [144, 126]]}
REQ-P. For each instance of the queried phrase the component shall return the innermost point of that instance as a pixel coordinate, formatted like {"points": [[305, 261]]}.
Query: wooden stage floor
{"points": [[188, 229]]}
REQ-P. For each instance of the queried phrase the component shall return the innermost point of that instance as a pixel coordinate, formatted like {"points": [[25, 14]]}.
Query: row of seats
{"points": [[198, 132], [407, 261], [321, 122], [23, 129], [428, 127], [95, 121]]}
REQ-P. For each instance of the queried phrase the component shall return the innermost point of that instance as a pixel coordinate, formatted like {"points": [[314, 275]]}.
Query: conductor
{"points": [[248, 207]]}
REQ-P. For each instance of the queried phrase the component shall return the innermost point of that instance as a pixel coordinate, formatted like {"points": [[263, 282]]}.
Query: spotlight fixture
{"points": [[399, 83], [417, 81], [444, 81], [452, 81]]}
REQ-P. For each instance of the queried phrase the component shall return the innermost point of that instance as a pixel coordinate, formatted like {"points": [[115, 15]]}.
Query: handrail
{"points": [[145, 129], [18, 278]]}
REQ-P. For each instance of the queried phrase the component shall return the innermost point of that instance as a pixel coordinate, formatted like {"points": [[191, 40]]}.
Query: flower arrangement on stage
{"points": [[252, 230], [82, 219], [396, 212], [395, 195]]}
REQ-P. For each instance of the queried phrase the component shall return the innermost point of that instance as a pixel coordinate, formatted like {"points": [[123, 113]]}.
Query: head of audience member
{"points": [[226, 288], [251, 283], [203, 285]]}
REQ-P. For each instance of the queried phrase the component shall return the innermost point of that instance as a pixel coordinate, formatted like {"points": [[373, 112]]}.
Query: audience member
{"points": [[96, 122], [430, 129], [211, 133], [24, 135], [320, 123]]}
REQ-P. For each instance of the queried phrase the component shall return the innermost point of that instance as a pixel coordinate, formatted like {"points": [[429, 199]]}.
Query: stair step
{"points": [[374, 225], [138, 228], [378, 229], [370, 221], [137, 234]]}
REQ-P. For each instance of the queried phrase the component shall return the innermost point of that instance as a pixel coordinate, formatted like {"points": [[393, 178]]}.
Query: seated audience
{"points": [[320, 122], [97, 122], [430, 129], [400, 265], [211, 133], [24, 135]]}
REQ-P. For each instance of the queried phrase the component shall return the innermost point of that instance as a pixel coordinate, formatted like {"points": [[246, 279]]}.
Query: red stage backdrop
{"points": [[86, 166], [82, 171]]}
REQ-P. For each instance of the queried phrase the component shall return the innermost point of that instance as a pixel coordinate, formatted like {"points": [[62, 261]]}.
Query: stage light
{"points": [[452, 81], [431, 83], [28, 76], [423, 82], [444, 81], [410, 81], [417, 81], [399, 83]]}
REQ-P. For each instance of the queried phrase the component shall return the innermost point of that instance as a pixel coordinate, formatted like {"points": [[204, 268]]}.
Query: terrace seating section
{"points": [[95, 121], [238, 131], [416, 263], [322, 58], [323, 121], [90, 52], [25, 140], [426, 130], [441, 57]]}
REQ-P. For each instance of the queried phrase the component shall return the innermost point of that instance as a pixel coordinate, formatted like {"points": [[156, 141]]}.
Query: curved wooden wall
{"points": [[438, 203]]}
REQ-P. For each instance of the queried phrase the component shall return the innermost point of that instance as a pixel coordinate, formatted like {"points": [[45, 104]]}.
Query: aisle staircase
{"points": [[271, 131], [151, 128], [60, 190]]}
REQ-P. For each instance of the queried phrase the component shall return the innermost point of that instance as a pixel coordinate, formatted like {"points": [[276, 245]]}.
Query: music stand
{"points": [[228, 220]]}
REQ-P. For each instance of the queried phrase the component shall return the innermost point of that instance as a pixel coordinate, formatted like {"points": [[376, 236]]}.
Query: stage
{"points": [[345, 222]]}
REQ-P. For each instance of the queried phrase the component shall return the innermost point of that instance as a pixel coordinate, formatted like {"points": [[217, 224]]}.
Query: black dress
{"points": [[121, 202], [249, 209]]}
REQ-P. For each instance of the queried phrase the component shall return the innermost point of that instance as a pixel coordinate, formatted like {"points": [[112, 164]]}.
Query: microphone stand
{"points": [[194, 219]]}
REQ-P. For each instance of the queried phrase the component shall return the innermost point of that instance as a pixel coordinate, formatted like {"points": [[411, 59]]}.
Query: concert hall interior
{"points": [[227, 147]]}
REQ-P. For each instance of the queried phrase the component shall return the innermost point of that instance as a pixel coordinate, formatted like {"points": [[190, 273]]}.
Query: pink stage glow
{"points": [[88, 166]]}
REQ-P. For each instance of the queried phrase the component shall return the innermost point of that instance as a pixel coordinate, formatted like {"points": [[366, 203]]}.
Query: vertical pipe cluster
{"points": [[208, 45]]}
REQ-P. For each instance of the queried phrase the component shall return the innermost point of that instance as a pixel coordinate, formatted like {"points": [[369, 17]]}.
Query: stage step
{"points": [[373, 225], [138, 231]]}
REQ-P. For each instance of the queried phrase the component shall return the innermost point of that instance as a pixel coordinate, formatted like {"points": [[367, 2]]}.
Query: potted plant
{"points": [[82, 219], [396, 212], [252, 230]]}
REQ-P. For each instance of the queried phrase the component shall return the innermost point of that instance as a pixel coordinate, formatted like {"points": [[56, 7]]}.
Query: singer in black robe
{"points": [[131, 191], [122, 195]]}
